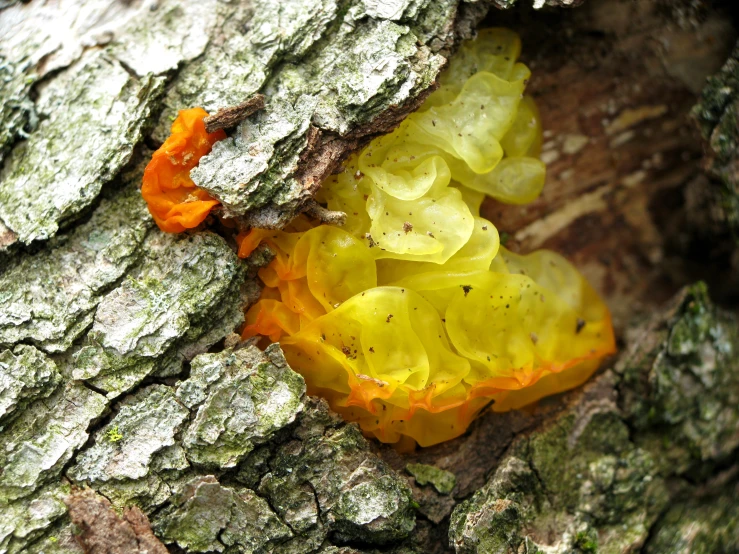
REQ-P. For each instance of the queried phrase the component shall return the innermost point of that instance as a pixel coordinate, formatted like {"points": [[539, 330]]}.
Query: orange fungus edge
{"points": [[173, 199]]}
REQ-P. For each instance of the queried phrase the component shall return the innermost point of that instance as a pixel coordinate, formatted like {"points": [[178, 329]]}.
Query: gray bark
{"points": [[118, 367]]}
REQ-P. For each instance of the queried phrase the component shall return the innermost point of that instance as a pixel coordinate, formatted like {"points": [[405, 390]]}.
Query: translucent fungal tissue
{"points": [[173, 199], [411, 318]]}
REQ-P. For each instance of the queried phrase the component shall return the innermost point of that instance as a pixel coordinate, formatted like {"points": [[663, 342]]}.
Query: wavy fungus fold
{"points": [[412, 318]]}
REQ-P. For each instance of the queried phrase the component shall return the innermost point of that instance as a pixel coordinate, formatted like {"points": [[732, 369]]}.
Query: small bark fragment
{"points": [[103, 532], [227, 118], [314, 209]]}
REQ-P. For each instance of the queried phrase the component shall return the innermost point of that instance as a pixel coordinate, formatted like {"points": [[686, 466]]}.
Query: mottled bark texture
{"points": [[101, 531], [132, 419]]}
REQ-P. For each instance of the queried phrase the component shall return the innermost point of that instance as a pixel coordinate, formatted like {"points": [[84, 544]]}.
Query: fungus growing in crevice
{"points": [[173, 199], [411, 318]]}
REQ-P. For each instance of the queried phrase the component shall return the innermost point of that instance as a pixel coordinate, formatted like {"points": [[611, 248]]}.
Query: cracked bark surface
{"points": [[119, 370]]}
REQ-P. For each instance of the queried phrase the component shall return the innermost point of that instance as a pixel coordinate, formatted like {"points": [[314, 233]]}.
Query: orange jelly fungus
{"points": [[173, 199]]}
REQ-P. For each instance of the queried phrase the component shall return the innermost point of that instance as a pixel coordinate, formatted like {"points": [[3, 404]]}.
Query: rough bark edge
{"points": [[325, 151], [226, 118]]}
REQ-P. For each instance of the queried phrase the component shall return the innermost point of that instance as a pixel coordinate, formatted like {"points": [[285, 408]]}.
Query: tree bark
{"points": [[116, 340]]}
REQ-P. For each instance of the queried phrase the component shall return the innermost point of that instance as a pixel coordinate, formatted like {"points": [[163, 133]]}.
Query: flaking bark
{"points": [[102, 531], [227, 118]]}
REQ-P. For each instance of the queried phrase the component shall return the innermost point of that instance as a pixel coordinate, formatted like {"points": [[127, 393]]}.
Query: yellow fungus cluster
{"points": [[412, 318]]}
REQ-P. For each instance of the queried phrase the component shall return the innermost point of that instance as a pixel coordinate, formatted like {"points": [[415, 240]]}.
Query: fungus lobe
{"points": [[173, 199]]}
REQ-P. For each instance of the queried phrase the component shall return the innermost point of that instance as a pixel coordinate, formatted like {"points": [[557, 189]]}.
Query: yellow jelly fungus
{"points": [[173, 199], [412, 318]]}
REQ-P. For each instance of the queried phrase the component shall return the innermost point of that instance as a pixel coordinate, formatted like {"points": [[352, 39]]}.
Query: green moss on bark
{"points": [[596, 478]]}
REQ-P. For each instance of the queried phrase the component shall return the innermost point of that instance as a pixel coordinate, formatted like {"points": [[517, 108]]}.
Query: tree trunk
{"points": [[116, 340]]}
